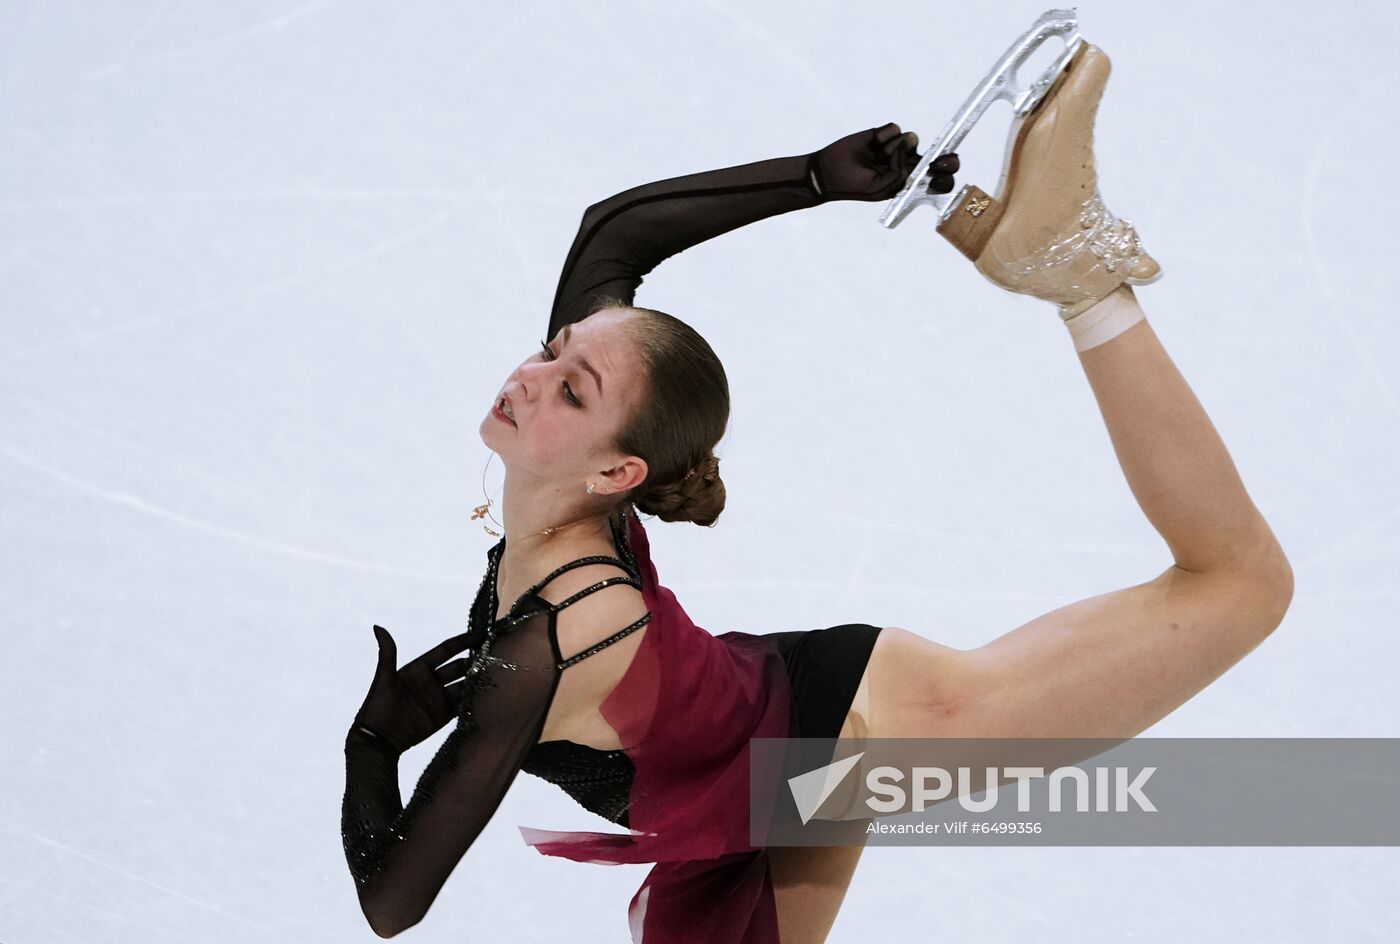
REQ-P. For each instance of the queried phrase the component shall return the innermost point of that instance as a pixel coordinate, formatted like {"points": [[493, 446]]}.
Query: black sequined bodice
{"points": [[600, 780]]}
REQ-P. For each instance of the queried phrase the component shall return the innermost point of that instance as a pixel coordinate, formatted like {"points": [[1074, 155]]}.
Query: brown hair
{"points": [[681, 416]]}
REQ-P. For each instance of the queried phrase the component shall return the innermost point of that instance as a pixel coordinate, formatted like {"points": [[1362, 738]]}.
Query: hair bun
{"points": [[707, 467], [697, 497]]}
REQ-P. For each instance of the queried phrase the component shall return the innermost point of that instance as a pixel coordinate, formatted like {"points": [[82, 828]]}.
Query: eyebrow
{"points": [[563, 340]]}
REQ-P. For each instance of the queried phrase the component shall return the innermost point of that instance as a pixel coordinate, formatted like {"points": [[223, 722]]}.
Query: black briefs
{"points": [[825, 667]]}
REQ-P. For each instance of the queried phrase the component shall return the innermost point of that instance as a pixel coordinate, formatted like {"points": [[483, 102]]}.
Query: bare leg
{"points": [[1175, 463], [809, 885], [1112, 665]]}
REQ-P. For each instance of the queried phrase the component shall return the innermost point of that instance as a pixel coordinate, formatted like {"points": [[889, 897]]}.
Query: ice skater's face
{"points": [[567, 403]]}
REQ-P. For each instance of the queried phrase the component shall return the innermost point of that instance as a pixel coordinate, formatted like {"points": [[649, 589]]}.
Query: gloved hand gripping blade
{"points": [[999, 84]]}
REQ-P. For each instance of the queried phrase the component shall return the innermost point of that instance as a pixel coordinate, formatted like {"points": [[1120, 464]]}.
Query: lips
{"points": [[504, 410]]}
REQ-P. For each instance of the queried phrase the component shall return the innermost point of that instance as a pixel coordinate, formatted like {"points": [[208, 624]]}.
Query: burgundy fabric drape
{"points": [[684, 712]]}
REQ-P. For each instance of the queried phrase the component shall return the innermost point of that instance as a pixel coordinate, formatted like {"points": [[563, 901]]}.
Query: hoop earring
{"points": [[484, 511]]}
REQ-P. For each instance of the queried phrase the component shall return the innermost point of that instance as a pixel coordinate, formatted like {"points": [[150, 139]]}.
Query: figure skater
{"points": [[645, 718]]}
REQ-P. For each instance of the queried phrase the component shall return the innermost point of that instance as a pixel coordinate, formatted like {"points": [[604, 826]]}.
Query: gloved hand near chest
{"points": [[407, 706]]}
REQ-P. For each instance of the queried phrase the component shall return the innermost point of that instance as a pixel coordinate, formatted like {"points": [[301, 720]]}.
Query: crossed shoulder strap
{"points": [[630, 579]]}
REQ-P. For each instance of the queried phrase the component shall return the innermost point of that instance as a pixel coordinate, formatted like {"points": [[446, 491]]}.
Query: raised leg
{"points": [[1173, 458], [1112, 665]]}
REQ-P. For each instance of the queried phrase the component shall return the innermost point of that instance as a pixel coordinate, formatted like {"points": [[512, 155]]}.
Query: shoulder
{"points": [[597, 616]]}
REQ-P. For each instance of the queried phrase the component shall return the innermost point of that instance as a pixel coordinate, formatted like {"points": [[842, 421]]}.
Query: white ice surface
{"points": [[263, 266]]}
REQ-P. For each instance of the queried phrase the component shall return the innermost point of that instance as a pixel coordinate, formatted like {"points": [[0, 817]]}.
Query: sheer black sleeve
{"points": [[400, 856], [626, 236]]}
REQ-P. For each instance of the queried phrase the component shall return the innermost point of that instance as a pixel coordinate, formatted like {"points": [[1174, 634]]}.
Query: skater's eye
{"points": [[549, 355]]}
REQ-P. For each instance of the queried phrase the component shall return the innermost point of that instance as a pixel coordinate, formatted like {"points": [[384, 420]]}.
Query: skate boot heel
{"points": [[974, 218]]}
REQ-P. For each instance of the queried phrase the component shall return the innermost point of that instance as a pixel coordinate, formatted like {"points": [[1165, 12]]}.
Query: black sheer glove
{"points": [[623, 238], [400, 855], [407, 706], [873, 165]]}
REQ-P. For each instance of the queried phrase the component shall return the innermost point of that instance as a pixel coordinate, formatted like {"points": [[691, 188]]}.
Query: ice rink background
{"points": [[263, 266]]}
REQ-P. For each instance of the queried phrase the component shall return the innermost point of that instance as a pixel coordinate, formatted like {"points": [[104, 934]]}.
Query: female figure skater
{"points": [[645, 718]]}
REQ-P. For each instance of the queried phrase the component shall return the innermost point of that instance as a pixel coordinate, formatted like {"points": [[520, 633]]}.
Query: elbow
{"points": [[387, 926], [387, 921]]}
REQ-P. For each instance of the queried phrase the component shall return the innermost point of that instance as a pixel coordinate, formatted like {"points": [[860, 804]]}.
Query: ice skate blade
{"points": [[973, 215], [1000, 84]]}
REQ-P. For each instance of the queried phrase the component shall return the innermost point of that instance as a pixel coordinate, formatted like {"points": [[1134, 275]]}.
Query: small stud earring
{"points": [[590, 488]]}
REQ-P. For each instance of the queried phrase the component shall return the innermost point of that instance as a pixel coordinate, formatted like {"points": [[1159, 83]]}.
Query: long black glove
{"points": [[623, 238], [399, 855]]}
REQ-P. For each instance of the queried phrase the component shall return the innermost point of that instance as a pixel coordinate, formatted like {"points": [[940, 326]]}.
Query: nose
{"points": [[526, 383]]}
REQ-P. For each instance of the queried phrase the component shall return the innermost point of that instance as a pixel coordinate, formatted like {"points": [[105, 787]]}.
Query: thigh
{"points": [[901, 693], [898, 688], [809, 885]]}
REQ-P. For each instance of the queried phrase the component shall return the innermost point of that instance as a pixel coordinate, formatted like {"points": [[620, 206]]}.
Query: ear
{"points": [[630, 472]]}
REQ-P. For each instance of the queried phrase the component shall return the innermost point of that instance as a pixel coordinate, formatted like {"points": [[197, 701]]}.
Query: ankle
{"points": [[1102, 320]]}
